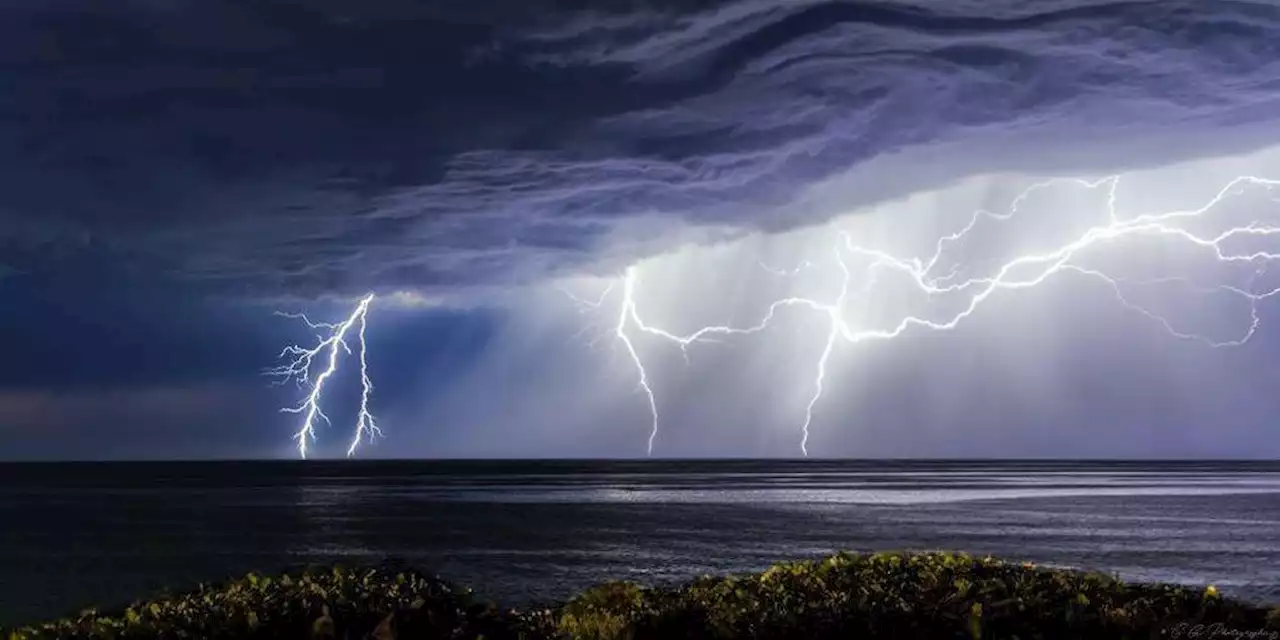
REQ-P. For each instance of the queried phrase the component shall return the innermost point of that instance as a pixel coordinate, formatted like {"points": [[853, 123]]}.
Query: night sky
{"points": [[173, 172]]}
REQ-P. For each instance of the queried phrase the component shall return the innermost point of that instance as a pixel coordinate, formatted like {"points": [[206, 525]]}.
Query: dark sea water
{"points": [[74, 535]]}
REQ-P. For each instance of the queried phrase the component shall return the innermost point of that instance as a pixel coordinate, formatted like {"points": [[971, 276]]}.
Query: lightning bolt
{"points": [[628, 312], [301, 361], [1022, 272]]}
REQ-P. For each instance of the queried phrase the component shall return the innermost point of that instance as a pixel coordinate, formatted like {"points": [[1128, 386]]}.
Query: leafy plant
{"points": [[937, 595], [330, 603], [883, 595]]}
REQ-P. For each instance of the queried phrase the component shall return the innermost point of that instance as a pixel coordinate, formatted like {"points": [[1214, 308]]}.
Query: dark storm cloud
{"points": [[70, 340], [273, 146], [174, 420]]}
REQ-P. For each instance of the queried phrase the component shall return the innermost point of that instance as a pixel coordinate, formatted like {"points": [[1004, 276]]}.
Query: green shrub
{"points": [[934, 595], [334, 603]]}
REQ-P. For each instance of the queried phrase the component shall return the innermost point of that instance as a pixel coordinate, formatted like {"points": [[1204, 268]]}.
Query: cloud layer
{"points": [[280, 148]]}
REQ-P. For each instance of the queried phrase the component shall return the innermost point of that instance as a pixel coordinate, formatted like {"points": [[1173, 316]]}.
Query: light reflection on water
{"points": [[535, 532], [901, 497]]}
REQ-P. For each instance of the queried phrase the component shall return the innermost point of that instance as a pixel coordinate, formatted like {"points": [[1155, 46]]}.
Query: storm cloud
{"points": [[173, 171], [280, 148]]}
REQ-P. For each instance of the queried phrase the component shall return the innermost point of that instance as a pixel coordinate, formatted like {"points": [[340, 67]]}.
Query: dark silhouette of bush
{"points": [[884, 595], [335, 603]]}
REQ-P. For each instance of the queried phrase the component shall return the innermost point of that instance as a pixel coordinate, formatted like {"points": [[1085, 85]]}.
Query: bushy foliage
{"points": [[935, 595], [333, 604]]}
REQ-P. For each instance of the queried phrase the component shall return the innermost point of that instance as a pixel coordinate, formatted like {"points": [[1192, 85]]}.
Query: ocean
{"points": [[80, 534]]}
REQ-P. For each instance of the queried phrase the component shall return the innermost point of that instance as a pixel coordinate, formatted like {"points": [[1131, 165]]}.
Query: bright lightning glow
{"points": [[328, 349], [1022, 272], [628, 312]]}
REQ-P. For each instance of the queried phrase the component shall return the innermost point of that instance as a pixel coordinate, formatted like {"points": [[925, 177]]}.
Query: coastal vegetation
{"points": [[882, 595]]}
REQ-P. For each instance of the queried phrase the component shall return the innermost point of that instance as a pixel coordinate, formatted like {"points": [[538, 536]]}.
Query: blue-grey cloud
{"points": [[285, 148], [173, 420]]}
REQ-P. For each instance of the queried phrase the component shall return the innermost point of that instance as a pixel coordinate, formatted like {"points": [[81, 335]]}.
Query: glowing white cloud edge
{"points": [[919, 272]]}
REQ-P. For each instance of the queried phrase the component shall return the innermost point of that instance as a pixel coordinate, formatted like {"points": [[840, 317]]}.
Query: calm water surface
{"points": [[73, 535]]}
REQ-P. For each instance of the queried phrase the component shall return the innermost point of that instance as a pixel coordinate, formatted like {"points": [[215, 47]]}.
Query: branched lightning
{"points": [[1022, 272], [628, 312], [300, 362]]}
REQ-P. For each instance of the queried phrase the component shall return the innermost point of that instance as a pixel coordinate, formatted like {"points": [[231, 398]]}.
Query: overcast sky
{"points": [[173, 172]]}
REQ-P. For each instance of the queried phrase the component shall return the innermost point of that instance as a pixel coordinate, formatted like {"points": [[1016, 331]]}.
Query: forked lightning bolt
{"points": [[1024, 271], [628, 312], [326, 353]]}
